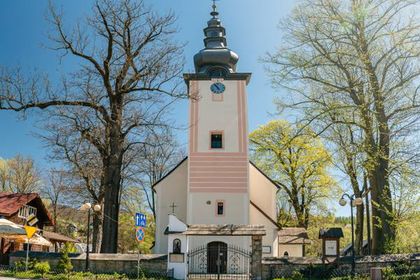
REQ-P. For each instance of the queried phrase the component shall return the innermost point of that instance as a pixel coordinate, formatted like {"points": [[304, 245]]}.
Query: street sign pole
{"points": [[141, 223], [138, 265], [27, 254], [30, 231]]}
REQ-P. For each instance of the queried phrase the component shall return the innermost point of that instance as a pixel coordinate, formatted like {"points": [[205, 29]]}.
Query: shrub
{"points": [[42, 268], [410, 276], [64, 264]]}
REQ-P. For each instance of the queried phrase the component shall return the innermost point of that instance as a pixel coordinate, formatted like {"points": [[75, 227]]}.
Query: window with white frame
{"points": [[25, 211]]}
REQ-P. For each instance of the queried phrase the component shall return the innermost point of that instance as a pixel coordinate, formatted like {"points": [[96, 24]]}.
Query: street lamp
{"points": [[354, 201], [88, 207]]}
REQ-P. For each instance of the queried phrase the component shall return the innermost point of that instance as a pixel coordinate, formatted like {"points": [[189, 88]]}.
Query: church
{"points": [[215, 198]]}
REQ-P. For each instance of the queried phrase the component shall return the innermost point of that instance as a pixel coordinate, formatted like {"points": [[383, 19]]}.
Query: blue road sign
{"points": [[140, 234], [140, 220]]}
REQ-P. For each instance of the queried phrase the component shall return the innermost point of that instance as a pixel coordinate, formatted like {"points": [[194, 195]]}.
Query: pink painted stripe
{"points": [[220, 184], [218, 174], [218, 168], [218, 164], [196, 117], [239, 117], [218, 180], [221, 154], [210, 190], [220, 160], [243, 117]]}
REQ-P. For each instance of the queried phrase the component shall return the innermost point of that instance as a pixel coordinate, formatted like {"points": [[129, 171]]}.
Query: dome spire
{"points": [[214, 14], [215, 55]]}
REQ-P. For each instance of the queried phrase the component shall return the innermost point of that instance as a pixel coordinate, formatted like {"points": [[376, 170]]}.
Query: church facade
{"points": [[216, 184]]}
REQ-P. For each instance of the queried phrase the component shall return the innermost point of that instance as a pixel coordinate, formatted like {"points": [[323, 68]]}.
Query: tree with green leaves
{"points": [[298, 162], [356, 63]]}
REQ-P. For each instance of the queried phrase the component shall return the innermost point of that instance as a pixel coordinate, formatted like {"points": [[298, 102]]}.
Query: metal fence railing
{"points": [[394, 271]]}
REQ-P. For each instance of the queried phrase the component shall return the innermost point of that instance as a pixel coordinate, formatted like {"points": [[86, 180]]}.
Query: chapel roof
{"points": [[293, 235]]}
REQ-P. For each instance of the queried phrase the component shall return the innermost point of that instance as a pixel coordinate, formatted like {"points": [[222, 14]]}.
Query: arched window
{"points": [[286, 254], [176, 246]]}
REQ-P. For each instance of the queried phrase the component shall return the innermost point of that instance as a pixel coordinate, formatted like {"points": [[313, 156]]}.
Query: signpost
{"points": [[141, 223], [140, 234], [140, 220], [30, 231]]}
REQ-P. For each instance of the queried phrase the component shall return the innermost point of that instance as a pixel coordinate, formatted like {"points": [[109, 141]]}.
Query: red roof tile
{"points": [[10, 203]]}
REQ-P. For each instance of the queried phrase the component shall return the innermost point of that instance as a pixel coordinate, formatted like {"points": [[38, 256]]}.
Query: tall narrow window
{"points": [[220, 208], [216, 140]]}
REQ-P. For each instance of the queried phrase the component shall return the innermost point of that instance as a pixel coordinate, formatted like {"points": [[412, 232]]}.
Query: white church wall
{"points": [[236, 210], [212, 116], [262, 192], [177, 252], [294, 250], [174, 261], [171, 190], [271, 237]]}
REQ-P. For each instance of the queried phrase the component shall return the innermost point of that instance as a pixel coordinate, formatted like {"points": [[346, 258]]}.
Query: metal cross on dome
{"points": [[214, 5]]}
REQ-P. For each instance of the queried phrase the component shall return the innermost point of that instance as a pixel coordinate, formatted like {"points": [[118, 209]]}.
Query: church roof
{"points": [[169, 173]]}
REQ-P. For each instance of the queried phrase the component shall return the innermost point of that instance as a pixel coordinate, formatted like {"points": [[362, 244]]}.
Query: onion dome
{"points": [[215, 59]]}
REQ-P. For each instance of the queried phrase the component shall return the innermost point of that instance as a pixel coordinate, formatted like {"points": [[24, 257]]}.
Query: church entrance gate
{"points": [[217, 260]]}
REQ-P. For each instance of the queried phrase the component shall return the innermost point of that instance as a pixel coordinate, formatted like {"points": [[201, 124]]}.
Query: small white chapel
{"points": [[214, 197]]}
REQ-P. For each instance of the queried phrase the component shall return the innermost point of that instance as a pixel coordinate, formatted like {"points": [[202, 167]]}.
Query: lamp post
{"points": [[354, 201], [88, 207]]}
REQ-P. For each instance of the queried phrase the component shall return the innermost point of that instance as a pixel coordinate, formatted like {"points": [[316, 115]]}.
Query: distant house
{"points": [[16, 207], [292, 242]]}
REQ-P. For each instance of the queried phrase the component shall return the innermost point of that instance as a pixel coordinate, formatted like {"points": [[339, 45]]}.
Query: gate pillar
{"points": [[256, 257]]}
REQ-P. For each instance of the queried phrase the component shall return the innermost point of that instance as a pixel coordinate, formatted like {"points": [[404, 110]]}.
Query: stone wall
{"points": [[284, 267], [102, 263]]}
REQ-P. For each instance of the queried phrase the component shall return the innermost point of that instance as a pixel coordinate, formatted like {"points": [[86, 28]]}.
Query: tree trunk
{"points": [[112, 177], [383, 228]]}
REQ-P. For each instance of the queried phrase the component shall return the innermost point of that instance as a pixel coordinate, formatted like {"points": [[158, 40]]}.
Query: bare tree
{"points": [[55, 191], [19, 175], [356, 60], [130, 72], [153, 162]]}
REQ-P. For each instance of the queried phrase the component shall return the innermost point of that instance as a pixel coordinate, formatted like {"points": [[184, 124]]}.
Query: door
{"points": [[217, 258]]}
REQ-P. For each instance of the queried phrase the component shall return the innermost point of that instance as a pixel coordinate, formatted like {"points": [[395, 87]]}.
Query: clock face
{"points": [[217, 88]]}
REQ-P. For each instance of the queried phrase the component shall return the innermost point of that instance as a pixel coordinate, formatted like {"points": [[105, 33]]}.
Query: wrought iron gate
{"points": [[217, 260]]}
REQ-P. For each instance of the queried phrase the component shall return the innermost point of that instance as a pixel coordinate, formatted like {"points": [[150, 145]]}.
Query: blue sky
{"points": [[251, 31]]}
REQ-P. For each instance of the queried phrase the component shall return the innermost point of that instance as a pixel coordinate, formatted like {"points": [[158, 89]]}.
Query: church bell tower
{"points": [[218, 175]]}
